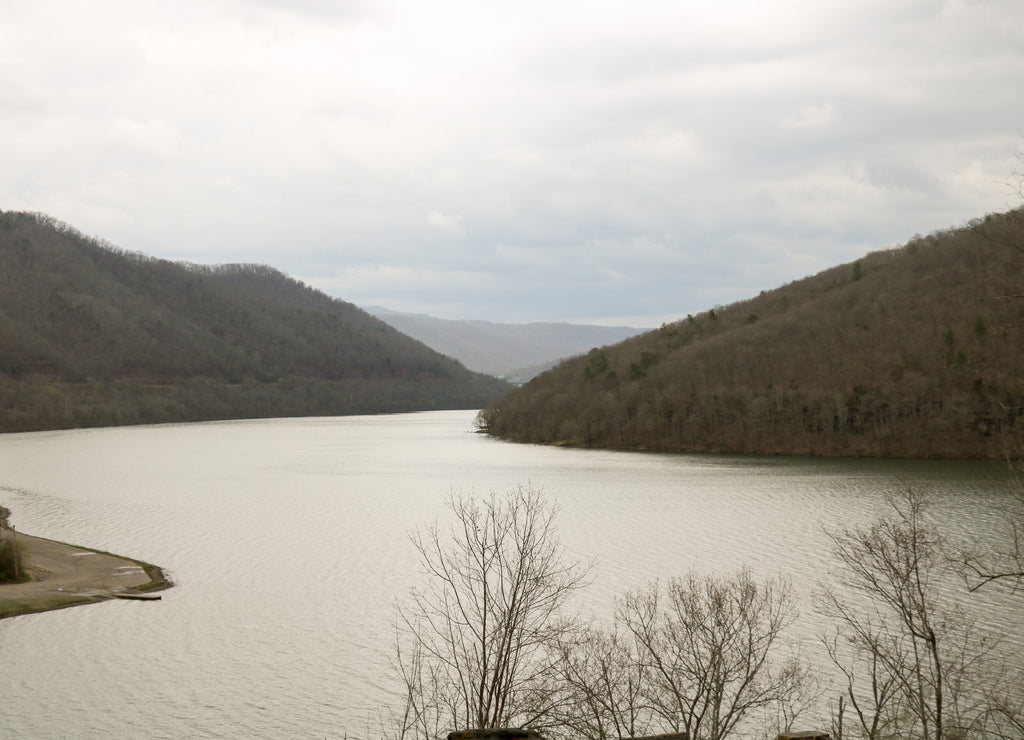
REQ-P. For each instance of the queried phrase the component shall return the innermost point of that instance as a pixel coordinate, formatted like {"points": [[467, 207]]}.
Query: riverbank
{"points": [[64, 575]]}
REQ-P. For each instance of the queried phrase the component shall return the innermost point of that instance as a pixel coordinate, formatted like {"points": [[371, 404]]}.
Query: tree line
{"points": [[489, 640], [914, 351], [94, 335], [11, 569]]}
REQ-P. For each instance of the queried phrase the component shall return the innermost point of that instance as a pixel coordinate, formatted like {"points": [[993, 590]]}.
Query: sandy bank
{"points": [[63, 575]]}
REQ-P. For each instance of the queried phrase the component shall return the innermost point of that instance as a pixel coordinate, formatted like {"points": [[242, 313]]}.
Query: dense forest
{"points": [[914, 351], [93, 335]]}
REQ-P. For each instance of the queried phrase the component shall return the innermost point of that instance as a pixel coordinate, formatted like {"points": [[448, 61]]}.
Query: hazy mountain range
{"points": [[513, 352]]}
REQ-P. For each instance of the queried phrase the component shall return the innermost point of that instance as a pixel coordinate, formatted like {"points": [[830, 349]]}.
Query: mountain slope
{"points": [[915, 351], [515, 352], [92, 335]]}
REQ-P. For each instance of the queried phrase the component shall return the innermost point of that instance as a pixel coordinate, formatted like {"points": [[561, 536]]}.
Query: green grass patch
{"points": [[17, 607]]}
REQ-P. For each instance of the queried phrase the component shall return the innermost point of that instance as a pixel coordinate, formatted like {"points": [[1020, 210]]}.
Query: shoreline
{"points": [[64, 575]]}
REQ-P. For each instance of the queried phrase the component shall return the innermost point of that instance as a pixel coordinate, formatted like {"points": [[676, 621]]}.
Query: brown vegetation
{"points": [[915, 661], [11, 570], [914, 351], [475, 641], [488, 640], [91, 335]]}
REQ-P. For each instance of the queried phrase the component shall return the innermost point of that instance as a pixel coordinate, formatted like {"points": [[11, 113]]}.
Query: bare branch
{"points": [[913, 663], [709, 647], [481, 633]]}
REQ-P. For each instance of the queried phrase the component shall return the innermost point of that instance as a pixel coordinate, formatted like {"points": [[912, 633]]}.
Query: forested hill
{"points": [[91, 335], [916, 351]]}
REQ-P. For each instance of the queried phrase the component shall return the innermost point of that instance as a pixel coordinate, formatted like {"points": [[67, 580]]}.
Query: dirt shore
{"points": [[64, 575]]}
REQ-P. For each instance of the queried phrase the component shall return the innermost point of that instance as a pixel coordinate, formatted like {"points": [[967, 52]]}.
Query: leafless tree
{"points": [[710, 648], [1004, 566], [871, 691], [990, 567], [913, 662], [10, 549], [606, 683], [1004, 716], [1000, 564], [478, 641]]}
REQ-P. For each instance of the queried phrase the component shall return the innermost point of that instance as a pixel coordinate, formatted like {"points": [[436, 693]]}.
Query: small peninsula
{"points": [[63, 575]]}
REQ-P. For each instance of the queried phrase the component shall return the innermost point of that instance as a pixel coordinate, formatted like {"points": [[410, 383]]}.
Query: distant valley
{"points": [[513, 352], [912, 351]]}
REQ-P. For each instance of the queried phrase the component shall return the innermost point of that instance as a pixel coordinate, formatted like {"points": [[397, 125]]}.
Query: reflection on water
{"points": [[288, 542]]}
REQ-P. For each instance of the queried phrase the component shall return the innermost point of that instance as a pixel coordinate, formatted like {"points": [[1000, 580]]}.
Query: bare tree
{"points": [[1004, 716], [1005, 565], [606, 683], [913, 663], [993, 566], [710, 648], [10, 550], [478, 641], [871, 690], [1001, 564]]}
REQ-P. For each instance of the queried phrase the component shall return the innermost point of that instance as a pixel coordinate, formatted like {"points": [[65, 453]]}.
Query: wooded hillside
{"points": [[914, 351], [92, 335]]}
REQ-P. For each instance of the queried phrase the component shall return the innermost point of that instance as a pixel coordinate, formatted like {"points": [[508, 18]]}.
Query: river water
{"points": [[288, 542]]}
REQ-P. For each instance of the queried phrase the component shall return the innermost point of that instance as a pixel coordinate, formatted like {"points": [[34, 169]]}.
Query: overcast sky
{"points": [[621, 162]]}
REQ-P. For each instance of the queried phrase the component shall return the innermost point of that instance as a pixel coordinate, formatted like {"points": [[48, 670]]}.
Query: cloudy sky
{"points": [[513, 160]]}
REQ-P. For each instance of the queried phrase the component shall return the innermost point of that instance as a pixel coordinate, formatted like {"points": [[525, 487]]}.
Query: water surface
{"points": [[288, 543]]}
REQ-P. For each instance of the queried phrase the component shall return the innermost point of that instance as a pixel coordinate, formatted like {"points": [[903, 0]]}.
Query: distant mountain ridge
{"points": [[93, 335], [514, 352], [915, 351]]}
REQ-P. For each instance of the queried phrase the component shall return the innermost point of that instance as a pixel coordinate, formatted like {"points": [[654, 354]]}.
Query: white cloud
{"points": [[512, 155], [154, 137], [812, 116], [447, 223]]}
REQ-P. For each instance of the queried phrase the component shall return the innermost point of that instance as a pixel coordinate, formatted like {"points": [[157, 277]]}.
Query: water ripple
{"points": [[288, 541]]}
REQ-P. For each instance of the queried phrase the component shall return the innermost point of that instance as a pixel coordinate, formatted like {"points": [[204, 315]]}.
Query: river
{"points": [[288, 543]]}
